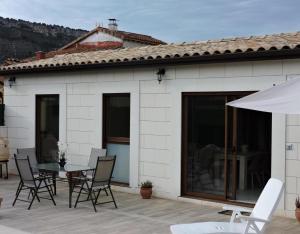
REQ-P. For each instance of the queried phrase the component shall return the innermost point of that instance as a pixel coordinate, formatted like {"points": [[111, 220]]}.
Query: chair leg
{"points": [[18, 193], [51, 189], [98, 195], [87, 185], [90, 194], [112, 196], [37, 197], [95, 197], [50, 192], [105, 191], [78, 196], [19, 187], [35, 191], [33, 197], [31, 193], [93, 202]]}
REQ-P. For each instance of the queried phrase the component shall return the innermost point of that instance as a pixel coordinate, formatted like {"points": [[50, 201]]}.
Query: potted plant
{"points": [[297, 211], [146, 189], [62, 149]]}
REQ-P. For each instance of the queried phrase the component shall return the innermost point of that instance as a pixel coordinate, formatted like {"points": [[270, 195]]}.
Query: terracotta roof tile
{"points": [[200, 48]]}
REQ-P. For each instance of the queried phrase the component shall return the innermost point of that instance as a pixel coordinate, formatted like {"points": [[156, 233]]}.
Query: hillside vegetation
{"points": [[21, 39]]}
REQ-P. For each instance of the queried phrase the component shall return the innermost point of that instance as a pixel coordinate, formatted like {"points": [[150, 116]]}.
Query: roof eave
{"points": [[204, 59]]}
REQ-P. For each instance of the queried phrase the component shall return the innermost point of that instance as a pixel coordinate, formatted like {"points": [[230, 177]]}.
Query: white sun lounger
{"points": [[239, 224]]}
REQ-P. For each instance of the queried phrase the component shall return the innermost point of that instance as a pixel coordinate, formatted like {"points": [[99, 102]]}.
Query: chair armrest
{"points": [[43, 177], [253, 219], [81, 178], [237, 209]]}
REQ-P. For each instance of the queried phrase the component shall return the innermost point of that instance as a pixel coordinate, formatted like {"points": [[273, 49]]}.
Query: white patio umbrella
{"points": [[283, 98]]}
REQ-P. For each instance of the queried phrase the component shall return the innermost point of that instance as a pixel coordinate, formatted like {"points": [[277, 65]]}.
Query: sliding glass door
{"points": [[221, 147], [204, 143]]}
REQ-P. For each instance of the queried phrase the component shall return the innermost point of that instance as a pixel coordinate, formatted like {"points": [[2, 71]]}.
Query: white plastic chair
{"points": [[240, 224]]}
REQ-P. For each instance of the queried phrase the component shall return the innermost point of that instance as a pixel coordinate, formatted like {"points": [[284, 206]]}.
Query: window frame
{"points": [[107, 139]]}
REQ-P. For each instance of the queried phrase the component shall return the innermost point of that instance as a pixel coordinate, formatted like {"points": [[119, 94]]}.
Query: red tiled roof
{"points": [[284, 42]]}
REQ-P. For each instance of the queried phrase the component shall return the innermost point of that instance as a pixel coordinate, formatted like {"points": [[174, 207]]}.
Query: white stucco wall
{"points": [[155, 150], [100, 36]]}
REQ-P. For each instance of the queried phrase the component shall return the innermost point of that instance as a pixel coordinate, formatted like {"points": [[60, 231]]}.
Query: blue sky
{"points": [[169, 20]]}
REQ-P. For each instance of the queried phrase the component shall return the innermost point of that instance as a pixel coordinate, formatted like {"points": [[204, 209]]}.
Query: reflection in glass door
{"points": [[204, 128], [226, 151], [116, 132], [47, 127], [253, 153]]}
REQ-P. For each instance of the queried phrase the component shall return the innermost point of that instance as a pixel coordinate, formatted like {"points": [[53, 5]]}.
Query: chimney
{"points": [[112, 25], [40, 55]]}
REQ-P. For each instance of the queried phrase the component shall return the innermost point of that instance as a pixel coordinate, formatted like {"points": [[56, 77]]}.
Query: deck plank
{"points": [[134, 215]]}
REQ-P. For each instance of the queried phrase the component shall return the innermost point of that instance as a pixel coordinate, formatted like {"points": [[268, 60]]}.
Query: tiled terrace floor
{"points": [[133, 216]]}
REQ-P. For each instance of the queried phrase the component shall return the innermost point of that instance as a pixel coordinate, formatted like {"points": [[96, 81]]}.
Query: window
{"points": [[116, 122]]}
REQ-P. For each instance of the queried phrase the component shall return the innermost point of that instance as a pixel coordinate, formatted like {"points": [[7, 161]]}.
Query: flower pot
{"points": [[297, 214], [146, 193]]}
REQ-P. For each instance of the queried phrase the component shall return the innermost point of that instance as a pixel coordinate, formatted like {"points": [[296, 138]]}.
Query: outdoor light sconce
{"points": [[160, 73], [11, 81]]}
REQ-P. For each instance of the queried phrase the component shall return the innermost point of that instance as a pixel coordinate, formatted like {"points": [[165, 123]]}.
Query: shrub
{"points": [[146, 184]]}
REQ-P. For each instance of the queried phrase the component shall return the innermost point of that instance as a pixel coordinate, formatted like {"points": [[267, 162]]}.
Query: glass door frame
{"points": [[184, 148], [38, 120]]}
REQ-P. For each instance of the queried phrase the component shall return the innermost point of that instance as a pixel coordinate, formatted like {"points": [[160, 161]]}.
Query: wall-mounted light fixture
{"points": [[160, 73], [11, 81]]}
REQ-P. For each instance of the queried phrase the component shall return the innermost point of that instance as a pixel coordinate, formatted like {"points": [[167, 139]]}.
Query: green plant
{"points": [[297, 202], [146, 184]]}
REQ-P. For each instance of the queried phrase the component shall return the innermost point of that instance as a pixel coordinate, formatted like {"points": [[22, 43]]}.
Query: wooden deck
{"points": [[133, 216]]}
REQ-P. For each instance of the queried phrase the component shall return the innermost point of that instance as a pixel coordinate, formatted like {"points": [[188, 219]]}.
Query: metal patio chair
{"points": [[30, 182], [95, 153], [31, 153], [99, 182]]}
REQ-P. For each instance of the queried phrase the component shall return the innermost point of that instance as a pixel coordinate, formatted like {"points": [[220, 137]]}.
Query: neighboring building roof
{"points": [[144, 39], [284, 43]]}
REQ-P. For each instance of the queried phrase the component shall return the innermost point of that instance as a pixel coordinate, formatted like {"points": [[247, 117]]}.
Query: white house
{"points": [[109, 38], [178, 132]]}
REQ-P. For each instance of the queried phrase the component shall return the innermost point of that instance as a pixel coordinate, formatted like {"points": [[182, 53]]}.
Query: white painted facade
{"points": [[155, 149], [100, 37], [105, 37]]}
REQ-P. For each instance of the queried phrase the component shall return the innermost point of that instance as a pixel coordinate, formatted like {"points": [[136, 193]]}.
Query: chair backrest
{"points": [[95, 153], [268, 201], [104, 170], [24, 169], [31, 153]]}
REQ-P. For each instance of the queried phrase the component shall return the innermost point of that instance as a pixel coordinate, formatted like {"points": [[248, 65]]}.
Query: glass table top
{"points": [[67, 168]]}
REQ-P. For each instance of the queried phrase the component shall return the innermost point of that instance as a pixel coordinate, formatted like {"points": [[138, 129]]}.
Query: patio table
{"points": [[70, 169]]}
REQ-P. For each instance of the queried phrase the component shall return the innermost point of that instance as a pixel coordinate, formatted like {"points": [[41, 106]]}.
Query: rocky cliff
{"points": [[21, 39]]}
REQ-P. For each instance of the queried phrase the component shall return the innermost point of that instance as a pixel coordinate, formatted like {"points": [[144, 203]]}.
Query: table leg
{"points": [[54, 182], [70, 189], [0, 170], [6, 170]]}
